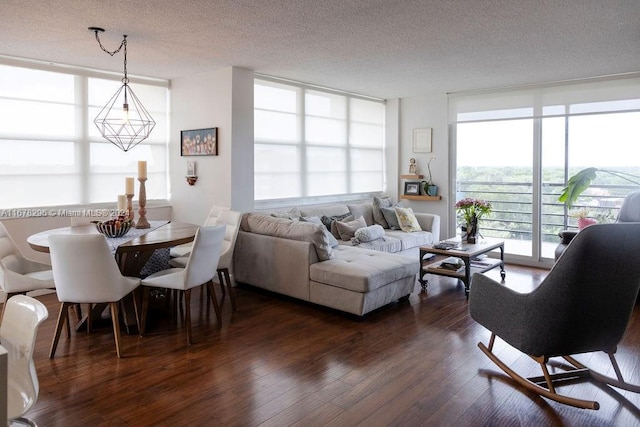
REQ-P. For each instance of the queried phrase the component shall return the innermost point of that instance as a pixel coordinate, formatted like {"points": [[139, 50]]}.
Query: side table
{"points": [[468, 253]]}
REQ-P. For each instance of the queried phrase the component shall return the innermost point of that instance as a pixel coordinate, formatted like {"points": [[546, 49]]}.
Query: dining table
{"points": [[132, 252]]}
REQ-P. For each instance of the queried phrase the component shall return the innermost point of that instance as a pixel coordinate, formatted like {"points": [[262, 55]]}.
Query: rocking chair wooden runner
{"points": [[583, 305]]}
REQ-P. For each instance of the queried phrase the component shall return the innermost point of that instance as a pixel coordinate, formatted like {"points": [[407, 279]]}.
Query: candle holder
{"points": [[130, 214], [142, 203]]}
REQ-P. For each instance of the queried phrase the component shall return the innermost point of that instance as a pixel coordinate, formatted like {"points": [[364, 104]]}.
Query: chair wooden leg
{"points": [[187, 314], [145, 306], [214, 301], [530, 385], [63, 317], [116, 324], [227, 279], [619, 383], [221, 280]]}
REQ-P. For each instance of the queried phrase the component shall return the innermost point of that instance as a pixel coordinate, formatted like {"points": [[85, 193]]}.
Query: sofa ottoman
{"points": [[360, 280]]}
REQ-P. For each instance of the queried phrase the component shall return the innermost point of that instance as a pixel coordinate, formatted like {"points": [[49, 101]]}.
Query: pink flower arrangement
{"points": [[470, 208]]}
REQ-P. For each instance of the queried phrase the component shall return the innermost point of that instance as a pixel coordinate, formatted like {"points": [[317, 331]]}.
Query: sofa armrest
{"points": [[567, 235], [429, 222]]}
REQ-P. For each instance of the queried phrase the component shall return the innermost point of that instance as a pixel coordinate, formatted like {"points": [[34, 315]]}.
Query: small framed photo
{"points": [[199, 142], [412, 188], [422, 140], [191, 168]]}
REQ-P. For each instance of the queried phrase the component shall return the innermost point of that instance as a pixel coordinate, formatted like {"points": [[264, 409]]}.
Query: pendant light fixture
{"points": [[123, 121]]}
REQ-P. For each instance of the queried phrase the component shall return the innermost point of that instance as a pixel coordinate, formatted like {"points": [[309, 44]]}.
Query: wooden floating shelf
{"points": [[411, 176], [421, 197]]}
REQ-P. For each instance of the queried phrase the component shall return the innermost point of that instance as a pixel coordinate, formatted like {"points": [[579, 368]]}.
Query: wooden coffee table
{"points": [[469, 253]]}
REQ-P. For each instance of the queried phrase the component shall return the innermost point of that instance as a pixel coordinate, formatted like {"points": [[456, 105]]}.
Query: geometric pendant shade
{"points": [[124, 121]]}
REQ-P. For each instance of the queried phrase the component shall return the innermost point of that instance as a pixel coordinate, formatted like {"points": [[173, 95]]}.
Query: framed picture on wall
{"points": [[422, 140], [199, 142]]}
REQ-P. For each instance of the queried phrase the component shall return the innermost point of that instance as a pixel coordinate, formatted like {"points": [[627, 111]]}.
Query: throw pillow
{"points": [[348, 229], [406, 218], [362, 209], [378, 216], [316, 220], [368, 234], [391, 218], [330, 222]]}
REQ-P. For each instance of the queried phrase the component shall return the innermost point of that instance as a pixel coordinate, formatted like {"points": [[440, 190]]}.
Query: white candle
{"points": [[122, 202], [129, 185], [142, 169]]}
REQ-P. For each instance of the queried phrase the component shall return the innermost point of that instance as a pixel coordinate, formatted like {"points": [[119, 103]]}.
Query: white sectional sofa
{"points": [[281, 253]]}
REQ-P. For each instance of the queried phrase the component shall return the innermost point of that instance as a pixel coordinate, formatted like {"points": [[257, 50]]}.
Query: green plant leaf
{"points": [[576, 185]]}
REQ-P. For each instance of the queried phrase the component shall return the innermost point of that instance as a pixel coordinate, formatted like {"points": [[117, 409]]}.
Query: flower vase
{"points": [[472, 230]]}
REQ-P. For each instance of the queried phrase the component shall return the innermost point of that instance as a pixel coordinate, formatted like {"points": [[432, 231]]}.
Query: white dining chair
{"points": [[231, 220], [86, 272], [200, 270], [212, 219], [22, 317], [19, 275]]}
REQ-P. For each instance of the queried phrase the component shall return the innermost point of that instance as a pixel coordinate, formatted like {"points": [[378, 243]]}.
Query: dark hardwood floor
{"points": [[279, 362]]}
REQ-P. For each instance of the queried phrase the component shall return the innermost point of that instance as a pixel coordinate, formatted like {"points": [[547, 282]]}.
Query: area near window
{"points": [[50, 150], [311, 143], [517, 148]]}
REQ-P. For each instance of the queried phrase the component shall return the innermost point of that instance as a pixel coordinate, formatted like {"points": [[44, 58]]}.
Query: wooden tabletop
{"points": [[171, 234]]}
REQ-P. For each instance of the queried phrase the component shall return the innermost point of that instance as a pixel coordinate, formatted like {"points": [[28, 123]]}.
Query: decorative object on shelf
{"points": [[430, 189], [142, 198], [412, 188], [412, 166], [199, 142], [422, 140], [124, 127], [191, 172], [116, 227], [471, 211], [582, 180]]}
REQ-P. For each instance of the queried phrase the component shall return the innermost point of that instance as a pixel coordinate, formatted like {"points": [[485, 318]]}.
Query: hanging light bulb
{"points": [[124, 127]]}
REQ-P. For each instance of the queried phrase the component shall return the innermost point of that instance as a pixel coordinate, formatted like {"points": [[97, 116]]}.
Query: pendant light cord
{"points": [[125, 80]]}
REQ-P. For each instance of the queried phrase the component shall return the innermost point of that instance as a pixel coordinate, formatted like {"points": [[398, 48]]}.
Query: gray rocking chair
{"points": [[583, 305]]}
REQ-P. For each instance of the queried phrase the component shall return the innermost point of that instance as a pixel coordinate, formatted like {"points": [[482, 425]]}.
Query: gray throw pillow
{"points": [[330, 222], [391, 218], [363, 209], [368, 234], [378, 216], [348, 229], [316, 220]]}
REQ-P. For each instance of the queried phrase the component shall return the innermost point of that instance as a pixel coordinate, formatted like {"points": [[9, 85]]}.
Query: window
{"points": [[313, 143], [51, 153], [517, 148]]}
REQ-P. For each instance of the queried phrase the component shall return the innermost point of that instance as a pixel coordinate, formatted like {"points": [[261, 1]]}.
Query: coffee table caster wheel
{"points": [[503, 274]]}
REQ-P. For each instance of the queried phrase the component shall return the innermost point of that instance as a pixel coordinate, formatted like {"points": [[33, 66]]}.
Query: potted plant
{"points": [[430, 188], [582, 180], [584, 218]]}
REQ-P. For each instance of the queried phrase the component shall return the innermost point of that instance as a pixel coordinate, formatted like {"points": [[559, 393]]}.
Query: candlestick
{"points": [[142, 202], [142, 170], [129, 189], [130, 209]]}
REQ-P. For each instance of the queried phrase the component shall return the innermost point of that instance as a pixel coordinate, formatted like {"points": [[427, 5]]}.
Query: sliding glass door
{"points": [[518, 148]]}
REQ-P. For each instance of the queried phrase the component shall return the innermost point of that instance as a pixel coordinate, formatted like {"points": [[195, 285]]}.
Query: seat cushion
{"points": [[362, 270], [411, 240]]}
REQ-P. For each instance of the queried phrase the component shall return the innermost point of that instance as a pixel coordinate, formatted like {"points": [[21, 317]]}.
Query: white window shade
{"points": [[50, 150], [312, 142]]}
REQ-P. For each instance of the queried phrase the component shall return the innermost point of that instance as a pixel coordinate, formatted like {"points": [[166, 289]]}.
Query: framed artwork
{"points": [[422, 140], [412, 188], [199, 142]]}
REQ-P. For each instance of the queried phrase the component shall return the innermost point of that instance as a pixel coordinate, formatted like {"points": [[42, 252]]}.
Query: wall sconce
{"points": [[124, 127], [191, 172]]}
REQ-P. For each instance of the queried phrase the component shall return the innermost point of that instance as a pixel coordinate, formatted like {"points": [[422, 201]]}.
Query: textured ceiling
{"points": [[383, 48]]}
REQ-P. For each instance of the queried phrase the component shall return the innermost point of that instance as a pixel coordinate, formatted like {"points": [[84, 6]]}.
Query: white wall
{"points": [[428, 112], [221, 98]]}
